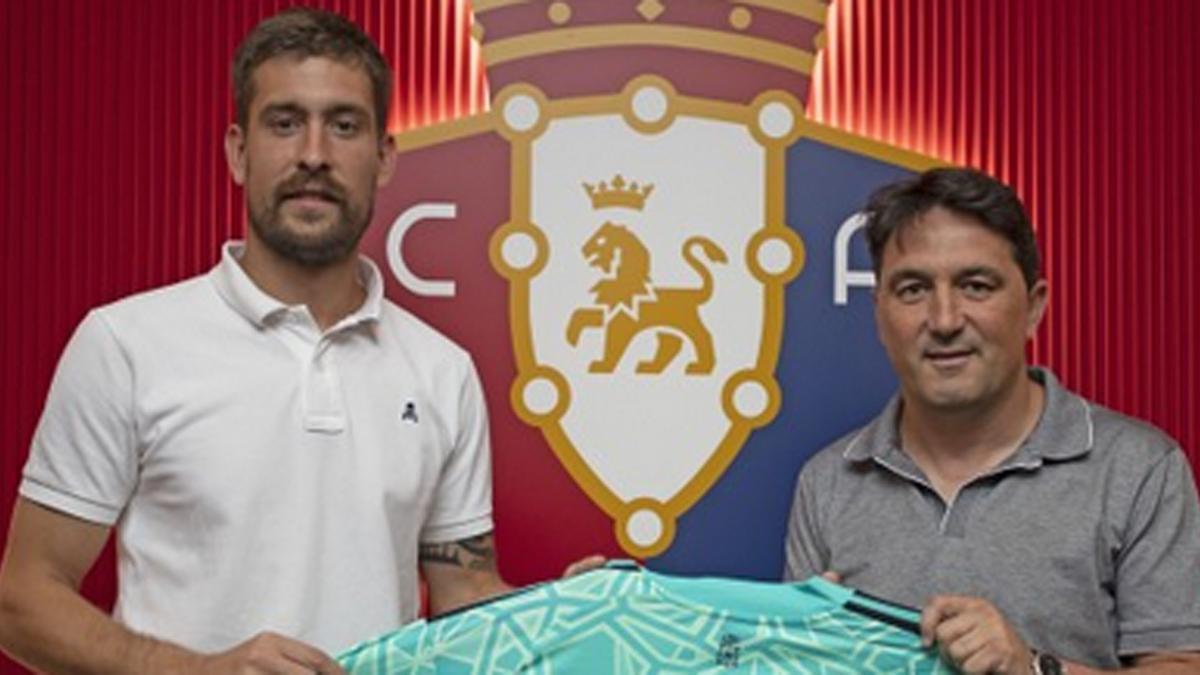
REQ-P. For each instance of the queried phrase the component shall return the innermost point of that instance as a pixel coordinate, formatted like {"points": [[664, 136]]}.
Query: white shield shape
{"points": [[646, 255]]}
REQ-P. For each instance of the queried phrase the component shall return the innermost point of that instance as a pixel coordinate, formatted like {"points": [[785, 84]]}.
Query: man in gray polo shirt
{"points": [[1040, 532]]}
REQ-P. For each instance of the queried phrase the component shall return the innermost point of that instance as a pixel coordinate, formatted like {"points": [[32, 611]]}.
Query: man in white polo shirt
{"points": [[278, 447]]}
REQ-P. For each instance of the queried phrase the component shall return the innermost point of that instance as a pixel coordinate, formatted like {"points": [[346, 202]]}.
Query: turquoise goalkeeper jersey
{"points": [[625, 619]]}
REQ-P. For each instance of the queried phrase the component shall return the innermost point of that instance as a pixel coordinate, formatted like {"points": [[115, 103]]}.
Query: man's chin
{"points": [[309, 222], [315, 250], [951, 396], [310, 237]]}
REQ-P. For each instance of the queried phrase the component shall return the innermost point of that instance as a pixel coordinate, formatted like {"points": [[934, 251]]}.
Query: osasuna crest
{"points": [[652, 255], [647, 292]]}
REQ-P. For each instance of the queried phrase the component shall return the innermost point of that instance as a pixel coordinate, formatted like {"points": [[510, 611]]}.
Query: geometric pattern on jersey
{"points": [[628, 620]]}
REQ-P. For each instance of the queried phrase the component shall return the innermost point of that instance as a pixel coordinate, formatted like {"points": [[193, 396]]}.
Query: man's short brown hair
{"points": [[304, 32]]}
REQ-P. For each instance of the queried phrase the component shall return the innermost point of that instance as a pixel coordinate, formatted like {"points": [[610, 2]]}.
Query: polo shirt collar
{"points": [[1065, 430], [250, 301]]}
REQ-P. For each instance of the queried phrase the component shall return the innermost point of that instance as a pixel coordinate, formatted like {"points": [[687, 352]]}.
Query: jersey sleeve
{"points": [[806, 552], [462, 504], [83, 460], [1158, 568]]}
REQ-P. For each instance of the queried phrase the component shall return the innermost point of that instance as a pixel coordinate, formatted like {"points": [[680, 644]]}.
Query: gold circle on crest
{"points": [[740, 18], [512, 95], [790, 239], [762, 379], [501, 264], [770, 99], [558, 13], [658, 510], [562, 392], [645, 84]]}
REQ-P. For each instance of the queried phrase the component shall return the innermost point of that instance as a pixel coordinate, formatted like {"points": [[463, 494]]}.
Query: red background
{"points": [[114, 180]]}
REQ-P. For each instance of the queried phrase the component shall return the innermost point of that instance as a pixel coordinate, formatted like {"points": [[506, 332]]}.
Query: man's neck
{"points": [[331, 292], [953, 447]]}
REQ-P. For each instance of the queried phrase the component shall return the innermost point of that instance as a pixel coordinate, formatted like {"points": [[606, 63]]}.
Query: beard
{"points": [[320, 247]]}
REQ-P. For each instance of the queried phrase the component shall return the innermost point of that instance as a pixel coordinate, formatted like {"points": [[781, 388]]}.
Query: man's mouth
{"points": [[948, 358], [311, 195]]}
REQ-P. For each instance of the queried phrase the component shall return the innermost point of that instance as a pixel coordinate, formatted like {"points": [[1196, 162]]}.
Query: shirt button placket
{"points": [[323, 405]]}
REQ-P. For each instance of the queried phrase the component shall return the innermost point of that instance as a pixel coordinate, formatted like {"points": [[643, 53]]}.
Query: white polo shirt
{"points": [[263, 474]]}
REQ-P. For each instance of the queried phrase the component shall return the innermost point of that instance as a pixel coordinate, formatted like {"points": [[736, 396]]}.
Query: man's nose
{"points": [[946, 316], [314, 151]]}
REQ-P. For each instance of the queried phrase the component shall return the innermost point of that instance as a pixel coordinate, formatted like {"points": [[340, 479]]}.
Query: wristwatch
{"points": [[1047, 664]]}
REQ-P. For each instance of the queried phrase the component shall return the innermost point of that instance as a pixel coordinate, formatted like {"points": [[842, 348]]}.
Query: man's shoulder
{"points": [[1073, 426], [1127, 438], [158, 298], [839, 455], [163, 305]]}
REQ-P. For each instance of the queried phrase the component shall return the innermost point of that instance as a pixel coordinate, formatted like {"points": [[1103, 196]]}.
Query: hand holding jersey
{"points": [[972, 633], [587, 564], [268, 654]]}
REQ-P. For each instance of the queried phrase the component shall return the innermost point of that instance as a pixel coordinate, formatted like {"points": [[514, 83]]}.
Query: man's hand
{"points": [[269, 654], [974, 636], [582, 565]]}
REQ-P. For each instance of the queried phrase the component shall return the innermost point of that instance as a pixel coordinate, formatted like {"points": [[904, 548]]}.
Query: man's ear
{"points": [[235, 153], [1039, 295], [387, 159]]}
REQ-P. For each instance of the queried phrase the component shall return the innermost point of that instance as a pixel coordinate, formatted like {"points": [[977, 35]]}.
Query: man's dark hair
{"points": [[964, 191], [304, 32]]}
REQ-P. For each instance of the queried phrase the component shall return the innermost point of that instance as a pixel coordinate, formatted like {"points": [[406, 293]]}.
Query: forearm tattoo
{"points": [[473, 553]]}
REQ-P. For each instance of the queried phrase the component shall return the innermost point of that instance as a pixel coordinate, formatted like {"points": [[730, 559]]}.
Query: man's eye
{"points": [[977, 289], [284, 125], [346, 126], [910, 292]]}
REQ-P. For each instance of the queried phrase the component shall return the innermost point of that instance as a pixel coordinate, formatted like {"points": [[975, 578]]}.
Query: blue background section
{"points": [[832, 370]]}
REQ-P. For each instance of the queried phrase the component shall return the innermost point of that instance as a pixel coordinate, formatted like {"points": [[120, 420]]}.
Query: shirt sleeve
{"points": [[806, 552], [83, 459], [462, 505], [1158, 568]]}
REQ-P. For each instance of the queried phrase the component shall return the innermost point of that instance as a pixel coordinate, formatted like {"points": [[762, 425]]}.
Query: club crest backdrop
{"points": [[653, 254], [638, 216]]}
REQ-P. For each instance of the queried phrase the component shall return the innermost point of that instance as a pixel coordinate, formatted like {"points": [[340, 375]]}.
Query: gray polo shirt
{"points": [[1087, 538]]}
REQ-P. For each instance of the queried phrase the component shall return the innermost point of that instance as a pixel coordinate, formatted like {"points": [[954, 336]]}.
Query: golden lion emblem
{"points": [[626, 304]]}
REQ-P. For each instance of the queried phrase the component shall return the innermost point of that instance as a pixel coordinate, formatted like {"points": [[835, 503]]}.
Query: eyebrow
{"points": [[906, 274], [276, 108], [344, 109], [335, 110], [980, 271]]}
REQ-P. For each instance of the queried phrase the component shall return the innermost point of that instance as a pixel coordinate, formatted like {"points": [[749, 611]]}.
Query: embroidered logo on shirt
{"points": [[727, 654], [410, 412]]}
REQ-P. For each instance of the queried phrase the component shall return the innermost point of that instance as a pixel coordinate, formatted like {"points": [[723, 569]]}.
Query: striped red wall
{"points": [[1089, 109], [114, 182]]}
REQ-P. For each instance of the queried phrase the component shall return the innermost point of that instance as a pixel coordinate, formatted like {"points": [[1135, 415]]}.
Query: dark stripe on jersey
{"points": [[480, 603], [910, 626], [504, 596], [884, 601]]}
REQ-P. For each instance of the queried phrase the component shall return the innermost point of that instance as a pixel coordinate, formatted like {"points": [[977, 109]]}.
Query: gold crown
{"points": [[618, 193]]}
